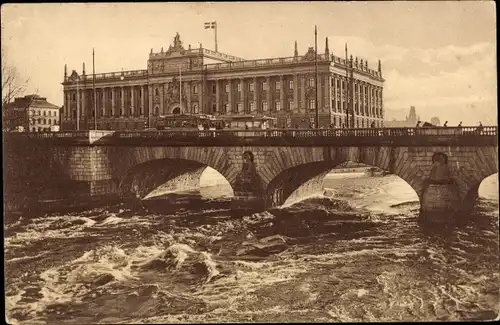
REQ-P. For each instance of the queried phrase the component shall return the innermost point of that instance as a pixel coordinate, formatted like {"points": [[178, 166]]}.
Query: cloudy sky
{"points": [[437, 56]]}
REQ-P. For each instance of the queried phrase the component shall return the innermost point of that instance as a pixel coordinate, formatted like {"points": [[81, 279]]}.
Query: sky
{"points": [[437, 56]]}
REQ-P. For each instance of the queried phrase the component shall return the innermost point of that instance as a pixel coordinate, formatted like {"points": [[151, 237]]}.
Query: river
{"points": [[356, 254]]}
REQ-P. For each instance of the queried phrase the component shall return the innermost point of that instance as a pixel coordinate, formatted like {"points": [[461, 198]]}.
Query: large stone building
{"points": [[280, 87], [31, 113], [410, 120]]}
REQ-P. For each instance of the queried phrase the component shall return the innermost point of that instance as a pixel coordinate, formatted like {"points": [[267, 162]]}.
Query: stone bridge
{"points": [[443, 165]]}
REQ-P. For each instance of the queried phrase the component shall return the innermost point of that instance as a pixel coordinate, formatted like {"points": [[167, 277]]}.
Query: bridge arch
{"points": [[139, 170], [299, 182]]}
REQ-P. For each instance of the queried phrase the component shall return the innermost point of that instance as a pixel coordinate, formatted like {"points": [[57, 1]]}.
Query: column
{"points": [[296, 93], [132, 102], [217, 95], [150, 100], [381, 102], [82, 111], [343, 95], [328, 93], [66, 106], [321, 104], [243, 96], [202, 108], [162, 97], [143, 94], [256, 96], [270, 106], [122, 108], [230, 97], [113, 99], [282, 93], [303, 104]]}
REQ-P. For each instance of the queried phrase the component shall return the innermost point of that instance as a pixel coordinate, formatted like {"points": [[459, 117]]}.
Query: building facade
{"points": [[410, 120], [31, 113], [180, 80]]}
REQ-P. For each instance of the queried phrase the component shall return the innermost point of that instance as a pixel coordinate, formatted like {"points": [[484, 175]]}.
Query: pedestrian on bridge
{"points": [[445, 125], [460, 124], [372, 125], [418, 124]]}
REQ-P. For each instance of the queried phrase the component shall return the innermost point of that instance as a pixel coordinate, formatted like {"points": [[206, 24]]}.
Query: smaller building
{"points": [[31, 113], [410, 120]]}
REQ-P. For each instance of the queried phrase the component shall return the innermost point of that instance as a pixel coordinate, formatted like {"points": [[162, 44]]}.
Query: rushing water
{"points": [[358, 254]]}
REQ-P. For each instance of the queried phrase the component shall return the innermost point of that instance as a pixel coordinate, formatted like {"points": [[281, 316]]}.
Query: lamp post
{"points": [[149, 108], [77, 104], [316, 74]]}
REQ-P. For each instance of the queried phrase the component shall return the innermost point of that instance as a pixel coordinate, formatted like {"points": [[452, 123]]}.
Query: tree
{"points": [[12, 84]]}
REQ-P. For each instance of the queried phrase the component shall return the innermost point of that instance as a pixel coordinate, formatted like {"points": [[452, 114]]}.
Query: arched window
{"points": [[44, 120], [50, 113], [39, 121]]}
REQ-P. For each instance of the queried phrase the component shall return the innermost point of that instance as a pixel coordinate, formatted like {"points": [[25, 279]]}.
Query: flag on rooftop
{"points": [[209, 25]]}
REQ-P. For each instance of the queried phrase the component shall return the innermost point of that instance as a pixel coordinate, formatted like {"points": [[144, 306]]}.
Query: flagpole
{"points": [[77, 104], [316, 73], [215, 29], [93, 86], [180, 89], [346, 90]]}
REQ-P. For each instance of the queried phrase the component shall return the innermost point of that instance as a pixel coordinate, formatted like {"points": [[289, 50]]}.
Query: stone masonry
{"points": [[269, 174]]}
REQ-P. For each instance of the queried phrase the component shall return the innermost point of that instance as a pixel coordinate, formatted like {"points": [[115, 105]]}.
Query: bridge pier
{"points": [[440, 203]]}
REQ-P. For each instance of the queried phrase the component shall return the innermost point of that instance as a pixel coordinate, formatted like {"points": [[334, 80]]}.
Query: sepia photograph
{"points": [[250, 162]]}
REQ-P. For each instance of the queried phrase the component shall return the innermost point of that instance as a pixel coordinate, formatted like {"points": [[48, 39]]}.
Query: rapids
{"points": [[357, 253]]}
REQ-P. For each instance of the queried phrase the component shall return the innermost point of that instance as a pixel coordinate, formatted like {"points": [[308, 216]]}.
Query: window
{"points": [[264, 106], [311, 121], [227, 88], [239, 86], [44, 120], [50, 113], [39, 121], [264, 85], [195, 89], [195, 108], [252, 106], [290, 84], [214, 88], [226, 107], [44, 113], [157, 110], [157, 92], [290, 105], [277, 85], [312, 103], [311, 82], [252, 86], [214, 108], [240, 107], [277, 106]]}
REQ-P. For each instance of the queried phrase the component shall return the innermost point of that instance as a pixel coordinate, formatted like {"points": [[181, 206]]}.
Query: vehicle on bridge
{"points": [[189, 122], [200, 122], [249, 122]]}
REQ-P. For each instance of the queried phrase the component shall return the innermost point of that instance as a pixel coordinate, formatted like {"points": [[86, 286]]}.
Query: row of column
{"points": [[301, 105], [106, 101], [367, 98]]}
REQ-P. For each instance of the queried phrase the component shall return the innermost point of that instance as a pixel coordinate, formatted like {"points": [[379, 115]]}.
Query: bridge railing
{"points": [[273, 133]]}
